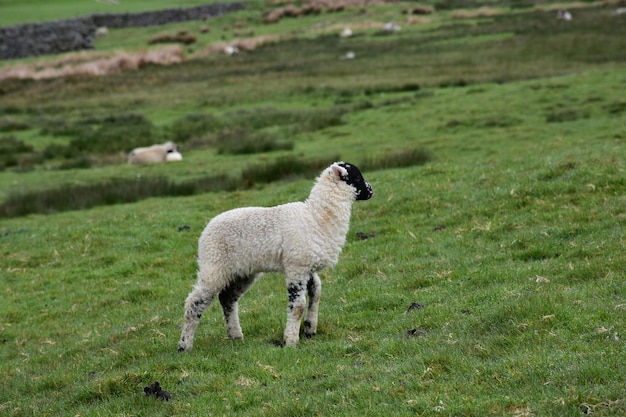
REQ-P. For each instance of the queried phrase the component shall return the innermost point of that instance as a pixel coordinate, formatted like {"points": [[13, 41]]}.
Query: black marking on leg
{"points": [[231, 292], [295, 292], [311, 287], [199, 302], [307, 329], [234, 290], [198, 307], [230, 295]]}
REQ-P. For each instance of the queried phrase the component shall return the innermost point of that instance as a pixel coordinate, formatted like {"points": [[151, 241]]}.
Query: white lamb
{"points": [[298, 239], [153, 154]]}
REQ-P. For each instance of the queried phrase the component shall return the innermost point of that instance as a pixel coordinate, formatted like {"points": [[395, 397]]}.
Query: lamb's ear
{"points": [[339, 171]]}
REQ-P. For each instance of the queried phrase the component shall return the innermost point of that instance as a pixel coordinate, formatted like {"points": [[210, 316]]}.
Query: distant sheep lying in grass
{"points": [[167, 151], [298, 239], [564, 15], [173, 156], [391, 27]]}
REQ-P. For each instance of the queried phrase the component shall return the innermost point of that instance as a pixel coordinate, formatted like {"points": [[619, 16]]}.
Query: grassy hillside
{"points": [[492, 280]]}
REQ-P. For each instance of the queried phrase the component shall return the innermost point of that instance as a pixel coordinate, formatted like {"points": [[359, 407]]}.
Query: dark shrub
{"points": [[616, 108], [397, 159], [63, 128], [56, 151], [284, 168], [10, 144], [302, 120], [318, 120], [10, 150], [239, 141], [566, 115], [194, 125], [77, 163], [113, 191], [11, 125], [115, 133], [392, 89]]}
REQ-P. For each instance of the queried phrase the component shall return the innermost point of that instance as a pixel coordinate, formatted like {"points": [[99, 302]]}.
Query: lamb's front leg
{"points": [[295, 310], [314, 291]]}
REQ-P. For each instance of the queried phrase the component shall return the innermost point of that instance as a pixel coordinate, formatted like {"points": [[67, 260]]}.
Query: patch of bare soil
{"points": [[307, 7]]}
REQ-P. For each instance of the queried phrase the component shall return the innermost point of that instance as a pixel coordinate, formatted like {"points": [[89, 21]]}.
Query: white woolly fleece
{"points": [[294, 238], [297, 239], [151, 154]]}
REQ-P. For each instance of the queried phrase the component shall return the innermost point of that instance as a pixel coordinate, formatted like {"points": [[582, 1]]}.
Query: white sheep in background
{"points": [[346, 33], [391, 27], [173, 156], [564, 15], [152, 154], [298, 239], [231, 50], [102, 31], [349, 55]]}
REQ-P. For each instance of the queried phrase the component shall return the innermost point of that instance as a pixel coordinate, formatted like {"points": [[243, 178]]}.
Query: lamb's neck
{"points": [[332, 214]]}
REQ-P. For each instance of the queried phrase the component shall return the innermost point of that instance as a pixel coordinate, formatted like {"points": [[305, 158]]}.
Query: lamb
{"points": [[152, 154], [298, 239]]}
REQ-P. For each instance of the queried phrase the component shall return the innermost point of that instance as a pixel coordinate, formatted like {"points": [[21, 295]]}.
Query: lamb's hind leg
{"points": [[229, 298], [314, 291], [198, 300]]}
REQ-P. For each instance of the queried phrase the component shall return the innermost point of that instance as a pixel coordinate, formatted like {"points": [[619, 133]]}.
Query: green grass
{"points": [[506, 223]]}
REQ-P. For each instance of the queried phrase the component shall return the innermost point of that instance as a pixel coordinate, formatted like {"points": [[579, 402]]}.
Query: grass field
{"points": [[493, 278]]}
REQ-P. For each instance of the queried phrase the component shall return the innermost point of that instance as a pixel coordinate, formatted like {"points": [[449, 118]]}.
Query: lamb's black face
{"points": [[355, 179]]}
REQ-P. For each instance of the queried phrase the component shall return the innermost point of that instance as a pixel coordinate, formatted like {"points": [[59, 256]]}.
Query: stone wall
{"points": [[77, 34], [162, 17]]}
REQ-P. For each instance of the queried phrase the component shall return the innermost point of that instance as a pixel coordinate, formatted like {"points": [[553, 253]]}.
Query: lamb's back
{"points": [[252, 239]]}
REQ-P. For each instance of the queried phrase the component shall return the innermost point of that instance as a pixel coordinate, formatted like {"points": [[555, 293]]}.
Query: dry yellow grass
{"points": [[472, 14], [93, 63]]}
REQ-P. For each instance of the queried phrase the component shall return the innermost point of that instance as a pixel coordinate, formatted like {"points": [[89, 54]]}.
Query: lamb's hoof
{"points": [[309, 331]]}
